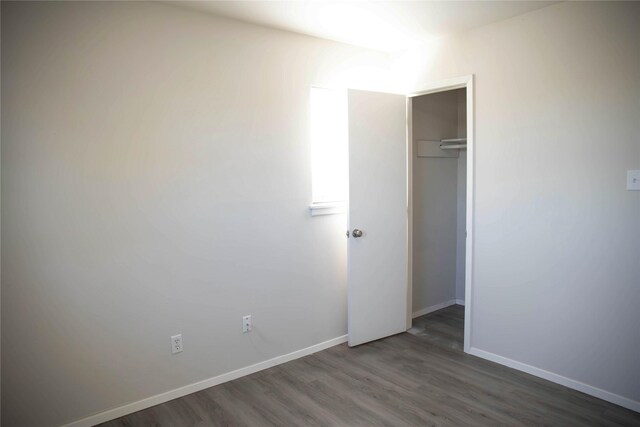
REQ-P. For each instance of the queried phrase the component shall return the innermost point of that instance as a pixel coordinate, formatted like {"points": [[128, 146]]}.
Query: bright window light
{"points": [[329, 148]]}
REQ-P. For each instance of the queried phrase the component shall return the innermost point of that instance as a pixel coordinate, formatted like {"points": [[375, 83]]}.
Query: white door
{"points": [[377, 219]]}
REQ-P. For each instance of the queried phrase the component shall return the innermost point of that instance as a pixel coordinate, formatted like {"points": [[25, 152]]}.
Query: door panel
{"points": [[377, 261]]}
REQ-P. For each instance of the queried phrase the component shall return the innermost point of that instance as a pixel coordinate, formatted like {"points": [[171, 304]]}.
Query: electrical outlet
{"points": [[176, 344], [246, 323]]}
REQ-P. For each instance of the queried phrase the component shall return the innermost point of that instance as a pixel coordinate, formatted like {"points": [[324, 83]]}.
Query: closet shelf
{"points": [[453, 144]]}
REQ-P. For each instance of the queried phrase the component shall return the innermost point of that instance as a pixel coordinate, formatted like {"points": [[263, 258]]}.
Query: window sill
{"points": [[327, 208]]}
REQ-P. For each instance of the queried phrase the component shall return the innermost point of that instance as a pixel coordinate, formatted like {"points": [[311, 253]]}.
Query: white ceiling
{"points": [[382, 25]]}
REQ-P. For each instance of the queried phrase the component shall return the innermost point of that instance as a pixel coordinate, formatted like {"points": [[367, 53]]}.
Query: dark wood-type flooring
{"points": [[420, 378]]}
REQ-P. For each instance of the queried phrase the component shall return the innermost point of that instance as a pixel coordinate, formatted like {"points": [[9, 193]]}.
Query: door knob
{"points": [[356, 233]]}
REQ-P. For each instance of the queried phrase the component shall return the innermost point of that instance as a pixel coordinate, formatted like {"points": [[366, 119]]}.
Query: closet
{"points": [[439, 168]]}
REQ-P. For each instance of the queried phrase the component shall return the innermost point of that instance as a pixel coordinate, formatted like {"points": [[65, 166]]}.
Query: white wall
{"points": [[155, 180], [436, 203], [556, 280]]}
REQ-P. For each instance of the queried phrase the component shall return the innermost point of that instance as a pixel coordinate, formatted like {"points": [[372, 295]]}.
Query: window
{"points": [[329, 151]]}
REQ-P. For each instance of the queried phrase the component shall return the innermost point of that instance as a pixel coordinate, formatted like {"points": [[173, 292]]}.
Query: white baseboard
{"points": [[129, 408], [558, 379], [433, 308], [460, 301]]}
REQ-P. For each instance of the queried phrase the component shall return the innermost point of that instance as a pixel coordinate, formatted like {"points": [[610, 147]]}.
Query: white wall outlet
{"points": [[176, 344], [633, 180], [246, 323]]}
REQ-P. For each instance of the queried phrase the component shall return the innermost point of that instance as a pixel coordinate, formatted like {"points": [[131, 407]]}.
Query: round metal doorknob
{"points": [[356, 233]]}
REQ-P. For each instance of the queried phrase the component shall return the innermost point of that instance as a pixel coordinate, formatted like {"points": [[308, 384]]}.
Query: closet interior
{"points": [[439, 131]]}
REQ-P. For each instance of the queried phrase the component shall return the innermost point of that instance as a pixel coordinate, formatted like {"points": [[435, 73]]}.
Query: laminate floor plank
{"points": [[419, 378]]}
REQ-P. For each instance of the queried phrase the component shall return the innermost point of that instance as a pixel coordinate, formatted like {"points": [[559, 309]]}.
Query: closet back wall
{"points": [[436, 206]]}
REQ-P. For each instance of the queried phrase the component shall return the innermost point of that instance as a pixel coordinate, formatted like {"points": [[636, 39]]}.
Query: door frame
{"points": [[442, 86]]}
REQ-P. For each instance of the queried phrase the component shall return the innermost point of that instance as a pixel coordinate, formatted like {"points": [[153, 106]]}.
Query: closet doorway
{"points": [[380, 215], [440, 172]]}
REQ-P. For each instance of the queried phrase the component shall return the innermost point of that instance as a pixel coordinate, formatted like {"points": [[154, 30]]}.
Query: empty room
{"points": [[320, 213]]}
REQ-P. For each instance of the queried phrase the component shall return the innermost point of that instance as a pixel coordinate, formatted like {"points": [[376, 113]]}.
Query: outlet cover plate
{"points": [[246, 324], [633, 180], [176, 344]]}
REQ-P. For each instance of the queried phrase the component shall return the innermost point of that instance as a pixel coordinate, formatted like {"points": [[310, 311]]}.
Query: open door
{"points": [[377, 219]]}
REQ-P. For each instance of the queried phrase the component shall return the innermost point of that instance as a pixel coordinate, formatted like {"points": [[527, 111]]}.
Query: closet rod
{"points": [[446, 141], [453, 147]]}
